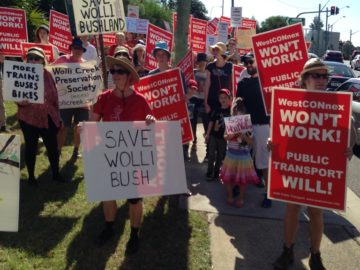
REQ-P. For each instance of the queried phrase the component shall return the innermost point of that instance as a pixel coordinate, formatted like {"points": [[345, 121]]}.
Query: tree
{"points": [[182, 29], [347, 49], [198, 9], [273, 22], [316, 24]]}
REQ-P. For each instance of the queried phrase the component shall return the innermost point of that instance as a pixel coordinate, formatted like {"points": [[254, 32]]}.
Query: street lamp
{"points": [[336, 22]]}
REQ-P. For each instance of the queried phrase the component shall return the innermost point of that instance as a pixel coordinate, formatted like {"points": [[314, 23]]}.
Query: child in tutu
{"points": [[238, 168]]}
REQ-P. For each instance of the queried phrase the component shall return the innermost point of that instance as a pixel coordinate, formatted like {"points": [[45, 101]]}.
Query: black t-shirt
{"points": [[217, 117], [249, 90], [219, 78]]}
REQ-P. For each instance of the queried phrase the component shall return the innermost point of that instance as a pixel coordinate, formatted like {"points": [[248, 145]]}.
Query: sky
{"points": [[262, 9]]}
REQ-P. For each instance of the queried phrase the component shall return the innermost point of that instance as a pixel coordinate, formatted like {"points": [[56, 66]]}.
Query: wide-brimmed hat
{"points": [[313, 64], [121, 49], [126, 64], [220, 46], [138, 46], [77, 42], [37, 51], [161, 45]]}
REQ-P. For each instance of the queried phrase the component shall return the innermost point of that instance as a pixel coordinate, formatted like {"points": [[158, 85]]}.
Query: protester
{"points": [[90, 53], [122, 104], [120, 40], [138, 56], [249, 90], [219, 76], [314, 76], [238, 169], [122, 51], [199, 97], [78, 114], [42, 37], [232, 53], [215, 135], [131, 39], [40, 120]]}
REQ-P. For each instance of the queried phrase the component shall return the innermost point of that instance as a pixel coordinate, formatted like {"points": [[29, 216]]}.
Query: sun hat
{"points": [[201, 57], [161, 45], [220, 46], [37, 51], [121, 49], [124, 63], [313, 64], [193, 84], [77, 42], [225, 91]]}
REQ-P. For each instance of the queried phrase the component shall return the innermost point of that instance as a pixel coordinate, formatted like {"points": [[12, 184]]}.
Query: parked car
{"points": [[354, 53], [335, 56], [339, 73], [353, 86], [312, 55], [355, 62]]}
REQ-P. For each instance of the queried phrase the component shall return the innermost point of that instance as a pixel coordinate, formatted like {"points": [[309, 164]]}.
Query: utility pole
{"points": [[222, 12], [326, 30], [318, 32]]}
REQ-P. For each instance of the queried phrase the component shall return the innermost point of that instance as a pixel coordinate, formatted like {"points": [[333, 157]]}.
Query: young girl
{"points": [[238, 168]]}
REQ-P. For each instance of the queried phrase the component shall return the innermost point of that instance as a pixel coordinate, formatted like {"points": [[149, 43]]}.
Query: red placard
{"points": [[13, 31], [155, 34], [174, 21], [310, 133], [48, 49], [212, 26], [243, 51], [109, 39], [248, 23], [60, 34], [236, 77], [228, 21], [165, 93], [186, 65], [280, 56], [198, 35]]}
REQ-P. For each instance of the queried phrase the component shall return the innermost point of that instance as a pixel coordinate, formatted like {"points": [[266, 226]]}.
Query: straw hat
{"points": [[220, 46], [313, 64], [124, 63]]}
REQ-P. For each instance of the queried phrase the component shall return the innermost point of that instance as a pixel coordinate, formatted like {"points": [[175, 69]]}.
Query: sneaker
{"points": [[132, 246], [266, 203], [315, 262], [104, 236], [285, 260]]}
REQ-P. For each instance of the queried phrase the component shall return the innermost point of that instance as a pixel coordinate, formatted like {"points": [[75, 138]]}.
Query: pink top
{"points": [[37, 114], [67, 58]]}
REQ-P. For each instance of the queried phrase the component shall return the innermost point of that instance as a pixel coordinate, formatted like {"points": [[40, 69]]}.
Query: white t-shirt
{"points": [[91, 53]]}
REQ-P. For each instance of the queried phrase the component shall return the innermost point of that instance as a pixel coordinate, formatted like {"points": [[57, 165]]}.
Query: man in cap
{"points": [[90, 53], [249, 90]]}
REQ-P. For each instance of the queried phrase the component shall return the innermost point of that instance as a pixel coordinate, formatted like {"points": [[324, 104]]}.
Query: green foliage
{"points": [[347, 49], [316, 24], [198, 9], [272, 22]]}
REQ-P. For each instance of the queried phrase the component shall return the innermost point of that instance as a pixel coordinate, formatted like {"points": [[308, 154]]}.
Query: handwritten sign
{"points": [[236, 16], [238, 124], [310, 132], [23, 81], [9, 182], [131, 159], [78, 84]]}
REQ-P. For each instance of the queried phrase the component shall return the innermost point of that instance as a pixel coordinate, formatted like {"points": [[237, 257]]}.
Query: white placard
{"points": [[223, 32], [99, 17], [135, 25], [210, 40], [131, 159], [9, 182], [238, 124], [78, 84], [133, 11], [236, 16], [23, 81]]}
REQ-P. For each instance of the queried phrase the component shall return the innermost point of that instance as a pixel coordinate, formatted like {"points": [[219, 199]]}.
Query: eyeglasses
{"points": [[119, 71], [248, 62], [34, 58], [324, 76]]}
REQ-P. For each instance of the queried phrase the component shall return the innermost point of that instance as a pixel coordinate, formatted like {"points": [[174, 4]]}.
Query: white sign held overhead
{"points": [[236, 16]]}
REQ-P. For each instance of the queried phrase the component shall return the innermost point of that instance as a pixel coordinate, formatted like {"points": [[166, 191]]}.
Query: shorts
{"points": [[79, 115], [134, 201], [260, 151]]}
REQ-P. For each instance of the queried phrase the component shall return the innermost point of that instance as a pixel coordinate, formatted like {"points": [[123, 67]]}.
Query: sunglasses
{"points": [[33, 58], [119, 71], [319, 75], [248, 62]]}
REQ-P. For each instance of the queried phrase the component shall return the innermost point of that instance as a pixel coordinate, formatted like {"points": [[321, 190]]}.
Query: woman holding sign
{"points": [[40, 120], [122, 104], [313, 77]]}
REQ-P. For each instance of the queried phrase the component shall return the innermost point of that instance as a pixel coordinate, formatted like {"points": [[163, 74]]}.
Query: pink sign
{"points": [[165, 94], [60, 34], [13, 31], [186, 65], [48, 50], [155, 34], [198, 35], [280, 56], [310, 133]]}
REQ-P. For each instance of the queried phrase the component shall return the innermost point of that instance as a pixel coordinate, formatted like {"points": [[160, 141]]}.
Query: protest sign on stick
{"points": [[125, 160], [198, 35], [238, 124], [23, 81], [236, 16], [165, 93], [280, 56], [60, 34], [47, 48], [310, 133], [13, 31], [9, 182], [136, 25], [78, 84], [186, 65]]}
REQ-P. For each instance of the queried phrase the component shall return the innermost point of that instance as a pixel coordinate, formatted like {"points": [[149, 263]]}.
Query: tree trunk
{"points": [[182, 29]]}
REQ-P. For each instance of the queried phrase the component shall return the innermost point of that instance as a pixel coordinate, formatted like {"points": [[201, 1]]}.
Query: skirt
{"points": [[238, 168]]}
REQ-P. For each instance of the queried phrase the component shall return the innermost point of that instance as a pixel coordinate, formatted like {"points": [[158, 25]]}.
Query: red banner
{"points": [[165, 93], [280, 56], [109, 39], [236, 77], [247, 23], [48, 49], [60, 35], [243, 51], [155, 34], [198, 35], [13, 31], [310, 133], [212, 26], [186, 65]]}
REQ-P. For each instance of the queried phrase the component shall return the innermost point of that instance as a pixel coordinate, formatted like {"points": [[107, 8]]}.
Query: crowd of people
{"points": [[236, 160]]}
